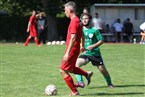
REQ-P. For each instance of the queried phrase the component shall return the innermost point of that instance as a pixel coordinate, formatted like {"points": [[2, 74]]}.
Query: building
{"points": [[110, 12]]}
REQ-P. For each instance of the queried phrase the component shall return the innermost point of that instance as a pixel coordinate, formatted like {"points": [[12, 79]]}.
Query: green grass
{"points": [[26, 71]]}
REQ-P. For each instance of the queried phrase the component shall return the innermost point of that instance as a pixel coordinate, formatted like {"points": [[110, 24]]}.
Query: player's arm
{"points": [[71, 43], [100, 42], [28, 27], [82, 49], [97, 44], [37, 15]]}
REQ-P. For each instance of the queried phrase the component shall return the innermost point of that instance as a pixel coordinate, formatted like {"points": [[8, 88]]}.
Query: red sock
{"points": [[70, 83], [80, 71], [27, 41], [36, 41]]}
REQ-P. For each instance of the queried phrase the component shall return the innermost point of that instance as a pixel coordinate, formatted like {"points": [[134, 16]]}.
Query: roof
{"points": [[119, 5]]}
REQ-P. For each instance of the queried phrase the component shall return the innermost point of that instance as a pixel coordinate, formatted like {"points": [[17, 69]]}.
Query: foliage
{"points": [[53, 7], [20, 7]]}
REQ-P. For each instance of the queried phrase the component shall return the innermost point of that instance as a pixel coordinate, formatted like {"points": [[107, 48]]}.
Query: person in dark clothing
{"points": [[128, 29], [42, 28]]}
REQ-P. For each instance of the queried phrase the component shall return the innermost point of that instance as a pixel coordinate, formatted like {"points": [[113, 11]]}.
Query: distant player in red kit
{"points": [[74, 35], [32, 29]]}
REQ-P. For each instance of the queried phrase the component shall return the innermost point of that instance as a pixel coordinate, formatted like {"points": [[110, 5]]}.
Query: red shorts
{"points": [[33, 32], [70, 64]]}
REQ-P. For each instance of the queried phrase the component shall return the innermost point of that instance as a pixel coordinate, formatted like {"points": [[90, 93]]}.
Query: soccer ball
{"points": [[53, 42], [51, 90], [57, 42], [48, 43], [62, 42]]}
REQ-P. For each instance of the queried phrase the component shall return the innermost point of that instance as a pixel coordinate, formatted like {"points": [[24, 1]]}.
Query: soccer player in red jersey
{"points": [[72, 51], [32, 29]]}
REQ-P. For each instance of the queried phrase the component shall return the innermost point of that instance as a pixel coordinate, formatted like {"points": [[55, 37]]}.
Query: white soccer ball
{"points": [[51, 90], [57, 42], [48, 43], [53, 42], [62, 42]]}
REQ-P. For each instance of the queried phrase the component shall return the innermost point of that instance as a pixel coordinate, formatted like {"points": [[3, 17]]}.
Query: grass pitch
{"points": [[26, 71]]}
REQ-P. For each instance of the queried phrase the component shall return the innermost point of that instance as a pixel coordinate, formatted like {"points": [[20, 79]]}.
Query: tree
{"points": [[20, 7], [51, 8]]}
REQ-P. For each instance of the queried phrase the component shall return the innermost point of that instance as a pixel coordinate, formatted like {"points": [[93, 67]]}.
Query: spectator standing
{"points": [[118, 27], [98, 23], [128, 29], [42, 28]]}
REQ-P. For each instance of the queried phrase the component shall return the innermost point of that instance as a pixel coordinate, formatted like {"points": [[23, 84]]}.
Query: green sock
{"points": [[79, 78], [108, 79]]}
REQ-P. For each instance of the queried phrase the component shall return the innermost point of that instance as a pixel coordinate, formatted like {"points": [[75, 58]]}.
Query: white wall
{"points": [[110, 14]]}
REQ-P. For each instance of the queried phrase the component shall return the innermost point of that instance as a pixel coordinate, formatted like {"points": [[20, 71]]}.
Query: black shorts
{"points": [[95, 60]]}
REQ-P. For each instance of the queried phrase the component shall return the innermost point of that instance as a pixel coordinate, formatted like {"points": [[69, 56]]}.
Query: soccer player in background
{"points": [[92, 40], [142, 33], [31, 29], [72, 51]]}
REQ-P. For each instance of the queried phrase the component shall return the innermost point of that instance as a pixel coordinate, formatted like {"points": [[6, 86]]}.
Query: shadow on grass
{"points": [[118, 86], [117, 94], [112, 94]]}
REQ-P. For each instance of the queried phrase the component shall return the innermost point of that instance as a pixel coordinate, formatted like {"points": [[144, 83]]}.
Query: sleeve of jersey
{"points": [[99, 36], [74, 26]]}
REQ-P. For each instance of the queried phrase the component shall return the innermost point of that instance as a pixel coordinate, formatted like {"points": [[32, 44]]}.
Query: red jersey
{"points": [[33, 31], [74, 28]]}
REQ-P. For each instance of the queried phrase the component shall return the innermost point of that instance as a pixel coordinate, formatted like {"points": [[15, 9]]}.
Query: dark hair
{"points": [[86, 8], [128, 19], [90, 17], [96, 13]]}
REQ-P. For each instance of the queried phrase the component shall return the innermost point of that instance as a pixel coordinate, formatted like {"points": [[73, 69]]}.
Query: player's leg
{"points": [[87, 75], [143, 39], [36, 41], [69, 81], [27, 40], [131, 37], [44, 36], [66, 68], [80, 82], [98, 61], [106, 75], [39, 36]]}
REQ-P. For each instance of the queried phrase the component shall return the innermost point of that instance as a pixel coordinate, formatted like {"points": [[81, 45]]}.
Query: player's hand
{"points": [[82, 49], [27, 30], [90, 48], [42, 27], [65, 57], [83, 52]]}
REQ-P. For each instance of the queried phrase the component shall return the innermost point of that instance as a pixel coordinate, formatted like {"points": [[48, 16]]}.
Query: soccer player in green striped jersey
{"points": [[91, 41]]}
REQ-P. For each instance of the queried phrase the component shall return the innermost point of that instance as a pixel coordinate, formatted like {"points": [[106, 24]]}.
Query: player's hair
{"points": [[71, 5], [90, 17]]}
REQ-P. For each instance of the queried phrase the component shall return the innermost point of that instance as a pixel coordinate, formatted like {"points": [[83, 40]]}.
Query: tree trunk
{"points": [[52, 33]]}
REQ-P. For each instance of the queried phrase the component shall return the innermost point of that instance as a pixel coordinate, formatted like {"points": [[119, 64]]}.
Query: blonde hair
{"points": [[71, 5]]}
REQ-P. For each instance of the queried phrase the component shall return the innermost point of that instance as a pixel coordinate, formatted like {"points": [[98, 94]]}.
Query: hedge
{"points": [[14, 28]]}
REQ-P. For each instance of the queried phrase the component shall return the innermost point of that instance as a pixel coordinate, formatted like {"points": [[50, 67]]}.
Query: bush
{"points": [[14, 28]]}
